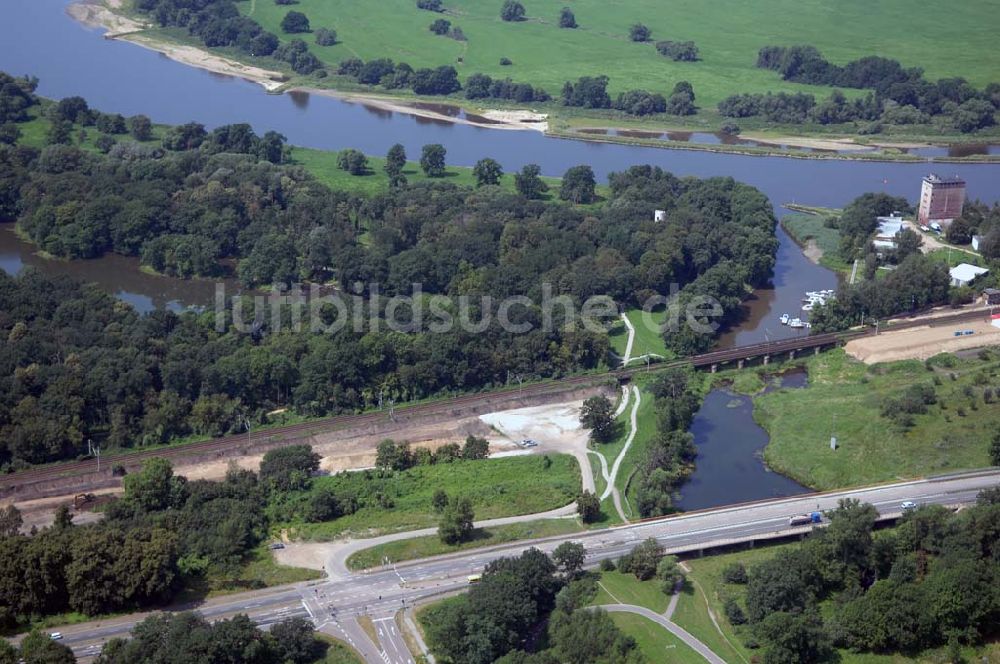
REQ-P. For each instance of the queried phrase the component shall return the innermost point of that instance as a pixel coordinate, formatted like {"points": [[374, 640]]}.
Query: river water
{"points": [[729, 468], [38, 38]]}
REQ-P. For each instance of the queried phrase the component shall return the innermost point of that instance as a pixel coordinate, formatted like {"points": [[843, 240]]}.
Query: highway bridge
{"points": [[84, 475], [335, 604]]}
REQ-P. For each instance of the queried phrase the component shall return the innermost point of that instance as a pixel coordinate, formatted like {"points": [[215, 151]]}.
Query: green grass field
{"points": [[648, 339], [655, 642], [431, 545], [497, 488], [805, 227], [728, 34], [845, 397], [323, 165], [618, 588], [338, 652]]}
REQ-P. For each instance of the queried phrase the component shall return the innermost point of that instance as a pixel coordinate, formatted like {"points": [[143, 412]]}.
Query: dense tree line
{"points": [[916, 283], [980, 219], [481, 86], [441, 80], [592, 92], [499, 619], [164, 533], [669, 456], [216, 22], [188, 637], [932, 581], [900, 96]]}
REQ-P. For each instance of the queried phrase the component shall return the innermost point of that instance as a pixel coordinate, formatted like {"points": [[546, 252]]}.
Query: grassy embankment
{"points": [[844, 397], [648, 339], [508, 486], [431, 545], [810, 229], [728, 35], [705, 580], [338, 652]]}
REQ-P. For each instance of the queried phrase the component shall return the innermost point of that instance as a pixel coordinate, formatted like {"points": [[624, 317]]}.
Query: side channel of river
{"points": [[729, 467]]}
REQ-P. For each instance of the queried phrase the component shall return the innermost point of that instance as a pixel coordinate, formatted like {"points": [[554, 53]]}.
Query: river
{"points": [[729, 468], [37, 37]]}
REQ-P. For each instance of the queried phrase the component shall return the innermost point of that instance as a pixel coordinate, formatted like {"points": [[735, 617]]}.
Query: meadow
{"points": [[728, 34], [845, 397], [503, 487], [804, 227]]}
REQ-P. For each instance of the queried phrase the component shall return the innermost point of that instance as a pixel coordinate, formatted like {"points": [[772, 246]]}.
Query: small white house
{"points": [[659, 215], [964, 274], [890, 226], [888, 229], [975, 242]]}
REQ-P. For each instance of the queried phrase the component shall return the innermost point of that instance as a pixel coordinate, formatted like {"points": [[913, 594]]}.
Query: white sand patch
{"points": [[557, 421]]}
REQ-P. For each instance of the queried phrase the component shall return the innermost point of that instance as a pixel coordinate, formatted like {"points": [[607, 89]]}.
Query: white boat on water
{"points": [[784, 319], [796, 322], [808, 307]]}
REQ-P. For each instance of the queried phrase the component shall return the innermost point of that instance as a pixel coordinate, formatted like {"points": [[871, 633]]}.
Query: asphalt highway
{"points": [[336, 604]]}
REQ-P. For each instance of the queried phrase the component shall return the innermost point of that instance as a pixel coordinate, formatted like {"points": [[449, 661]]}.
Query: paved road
{"points": [[670, 626], [383, 592]]}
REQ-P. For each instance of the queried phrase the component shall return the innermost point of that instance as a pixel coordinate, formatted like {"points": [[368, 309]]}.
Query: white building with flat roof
{"points": [[964, 274]]}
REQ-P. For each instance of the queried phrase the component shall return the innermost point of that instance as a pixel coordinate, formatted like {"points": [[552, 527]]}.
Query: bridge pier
{"points": [[767, 358], [715, 367], [739, 364], [791, 355], [816, 350]]}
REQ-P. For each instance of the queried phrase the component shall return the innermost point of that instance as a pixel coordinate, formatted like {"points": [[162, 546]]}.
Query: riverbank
{"points": [[814, 230], [847, 399], [558, 121]]}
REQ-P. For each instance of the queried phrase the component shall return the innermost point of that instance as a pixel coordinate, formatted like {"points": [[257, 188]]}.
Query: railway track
{"points": [[233, 444]]}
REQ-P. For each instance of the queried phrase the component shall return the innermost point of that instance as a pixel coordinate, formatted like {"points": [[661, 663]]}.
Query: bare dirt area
{"points": [[555, 426], [97, 15], [812, 251], [839, 144], [40, 512], [922, 342]]}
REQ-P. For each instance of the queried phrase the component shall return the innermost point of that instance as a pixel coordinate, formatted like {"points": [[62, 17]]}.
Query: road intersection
{"points": [[338, 604]]}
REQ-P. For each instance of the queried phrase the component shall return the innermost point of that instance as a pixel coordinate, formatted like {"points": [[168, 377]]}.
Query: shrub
{"points": [[566, 18], [440, 26], [430, 5], [607, 565], [734, 573], [326, 37], [505, 62], [639, 33], [677, 51], [734, 614], [512, 10], [730, 128], [295, 22]]}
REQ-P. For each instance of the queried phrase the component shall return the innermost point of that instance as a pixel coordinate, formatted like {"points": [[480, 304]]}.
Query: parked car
{"points": [[908, 506], [55, 636], [527, 442]]}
